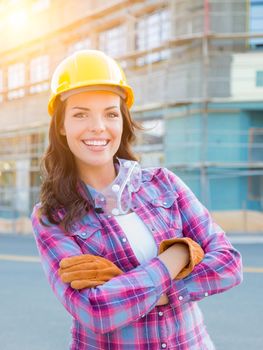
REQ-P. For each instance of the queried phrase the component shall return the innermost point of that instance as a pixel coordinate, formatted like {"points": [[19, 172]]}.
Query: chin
{"points": [[98, 161]]}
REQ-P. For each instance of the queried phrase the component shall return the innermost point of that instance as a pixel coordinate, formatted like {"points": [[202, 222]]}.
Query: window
{"points": [[151, 32], [39, 74], [154, 131], [255, 183], [37, 147], [256, 187], [1, 85], [6, 167], [256, 22], [7, 184], [80, 45], [114, 41], [16, 80], [259, 79], [256, 145], [149, 144]]}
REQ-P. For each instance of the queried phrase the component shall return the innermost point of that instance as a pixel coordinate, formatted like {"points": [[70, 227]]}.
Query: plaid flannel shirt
{"points": [[122, 314]]}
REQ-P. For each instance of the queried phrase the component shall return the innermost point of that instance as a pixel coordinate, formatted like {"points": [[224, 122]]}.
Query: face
{"points": [[93, 127]]}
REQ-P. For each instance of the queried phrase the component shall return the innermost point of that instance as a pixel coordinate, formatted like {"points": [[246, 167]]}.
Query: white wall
{"points": [[243, 76]]}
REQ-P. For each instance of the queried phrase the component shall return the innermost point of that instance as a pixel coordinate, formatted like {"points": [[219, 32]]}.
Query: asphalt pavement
{"points": [[31, 318]]}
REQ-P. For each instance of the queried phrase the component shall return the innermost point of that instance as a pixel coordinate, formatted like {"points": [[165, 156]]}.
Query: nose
{"points": [[96, 125]]}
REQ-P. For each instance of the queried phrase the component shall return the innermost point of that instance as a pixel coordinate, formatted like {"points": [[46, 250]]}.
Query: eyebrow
{"points": [[87, 109]]}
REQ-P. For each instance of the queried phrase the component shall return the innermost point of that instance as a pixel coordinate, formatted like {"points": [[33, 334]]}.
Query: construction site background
{"points": [[197, 71]]}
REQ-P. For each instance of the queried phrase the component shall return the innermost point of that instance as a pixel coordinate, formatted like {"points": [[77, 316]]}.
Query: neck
{"points": [[99, 177]]}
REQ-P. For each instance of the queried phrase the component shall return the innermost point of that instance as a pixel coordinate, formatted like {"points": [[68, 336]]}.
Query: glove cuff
{"points": [[196, 253]]}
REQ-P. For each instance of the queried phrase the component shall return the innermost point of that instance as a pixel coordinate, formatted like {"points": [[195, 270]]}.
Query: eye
{"points": [[113, 115], [80, 115]]}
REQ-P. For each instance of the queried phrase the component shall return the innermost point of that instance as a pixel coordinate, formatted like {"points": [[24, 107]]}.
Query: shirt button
{"points": [[115, 188], [115, 211], [124, 239], [180, 297], [84, 234], [143, 316], [164, 345], [160, 313], [206, 294]]}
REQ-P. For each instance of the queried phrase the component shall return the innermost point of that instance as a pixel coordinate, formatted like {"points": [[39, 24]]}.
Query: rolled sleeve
{"points": [[221, 268]]}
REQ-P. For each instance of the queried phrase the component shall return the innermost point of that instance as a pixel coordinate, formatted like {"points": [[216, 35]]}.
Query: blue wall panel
{"points": [[227, 141]]}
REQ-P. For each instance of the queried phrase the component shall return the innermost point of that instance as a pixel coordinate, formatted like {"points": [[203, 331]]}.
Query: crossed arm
{"points": [[86, 271]]}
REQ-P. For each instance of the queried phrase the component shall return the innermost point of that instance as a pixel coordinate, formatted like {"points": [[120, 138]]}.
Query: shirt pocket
{"points": [[166, 208], [90, 240]]}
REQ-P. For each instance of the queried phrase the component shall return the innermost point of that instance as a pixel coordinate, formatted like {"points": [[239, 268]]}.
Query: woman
{"points": [[127, 251]]}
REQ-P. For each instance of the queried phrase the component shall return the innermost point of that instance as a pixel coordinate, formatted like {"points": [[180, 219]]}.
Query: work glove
{"points": [[87, 271], [196, 253]]}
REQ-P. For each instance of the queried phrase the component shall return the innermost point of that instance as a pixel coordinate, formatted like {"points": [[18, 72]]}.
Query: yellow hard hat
{"points": [[87, 68]]}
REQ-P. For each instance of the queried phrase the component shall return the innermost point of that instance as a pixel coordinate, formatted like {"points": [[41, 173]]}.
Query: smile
{"points": [[95, 142]]}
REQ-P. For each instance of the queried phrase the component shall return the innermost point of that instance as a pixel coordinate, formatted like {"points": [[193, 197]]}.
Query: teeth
{"points": [[95, 142]]}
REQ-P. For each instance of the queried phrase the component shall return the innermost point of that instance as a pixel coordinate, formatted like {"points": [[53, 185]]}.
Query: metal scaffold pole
{"points": [[204, 130]]}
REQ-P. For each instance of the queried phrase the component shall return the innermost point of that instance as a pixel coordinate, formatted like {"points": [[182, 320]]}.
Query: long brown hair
{"points": [[59, 172]]}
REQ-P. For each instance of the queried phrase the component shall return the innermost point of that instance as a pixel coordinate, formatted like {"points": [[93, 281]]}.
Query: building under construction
{"points": [[197, 71]]}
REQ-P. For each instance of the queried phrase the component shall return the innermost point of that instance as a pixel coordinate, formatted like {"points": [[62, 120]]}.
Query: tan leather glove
{"points": [[87, 271], [196, 253]]}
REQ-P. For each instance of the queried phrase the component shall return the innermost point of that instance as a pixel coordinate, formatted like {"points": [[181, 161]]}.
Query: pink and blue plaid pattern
{"points": [[121, 314]]}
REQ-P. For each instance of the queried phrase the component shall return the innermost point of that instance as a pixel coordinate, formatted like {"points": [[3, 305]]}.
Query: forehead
{"points": [[91, 99]]}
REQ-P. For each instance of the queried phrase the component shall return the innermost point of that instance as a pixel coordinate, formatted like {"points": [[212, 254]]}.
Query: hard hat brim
{"points": [[127, 89]]}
